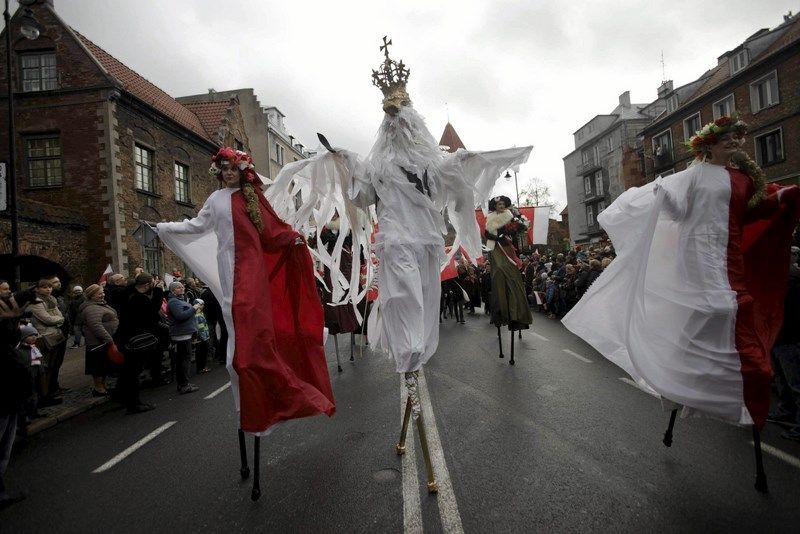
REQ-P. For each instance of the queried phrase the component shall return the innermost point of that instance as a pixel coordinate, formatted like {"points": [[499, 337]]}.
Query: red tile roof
{"points": [[451, 139], [143, 89], [210, 114]]}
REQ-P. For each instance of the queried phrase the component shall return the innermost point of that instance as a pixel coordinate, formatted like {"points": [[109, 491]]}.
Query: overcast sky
{"points": [[510, 72]]}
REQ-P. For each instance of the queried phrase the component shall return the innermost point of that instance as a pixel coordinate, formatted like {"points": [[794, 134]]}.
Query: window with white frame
{"points": [[587, 186], [586, 157], [601, 206], [590, 215], [43, 155], [609, 144], [143, 160], [764, 92], [739, 61], [769, 147], [691, 126], [662, 144], [279, 154], [598, 183], [672, 103], [151, 258], [596, 153], [181, 183], [723, 107], [39, 72]]}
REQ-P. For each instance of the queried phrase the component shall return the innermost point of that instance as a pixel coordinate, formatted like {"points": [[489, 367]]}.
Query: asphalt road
{"points": [[557, 442]]}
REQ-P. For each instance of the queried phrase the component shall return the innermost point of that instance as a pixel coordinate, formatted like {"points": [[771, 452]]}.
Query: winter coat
{"points": [[181, 316], [99, 322], [74, 307], [140, 314], [47, 318]]}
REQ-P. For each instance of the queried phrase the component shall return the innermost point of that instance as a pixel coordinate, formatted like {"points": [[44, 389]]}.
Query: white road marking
{"points": [[534, 334], [777, 453], [130, 450], [412, 511], [634, 384], [217, 391], [575, 354], [448, 507]]}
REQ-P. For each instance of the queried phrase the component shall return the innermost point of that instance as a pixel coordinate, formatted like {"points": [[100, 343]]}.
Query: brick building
{"points": [[99, 148], [759, 80]]}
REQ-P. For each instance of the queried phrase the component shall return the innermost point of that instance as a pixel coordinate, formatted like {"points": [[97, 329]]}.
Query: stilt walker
{"points": [[691, 306], [267, 292], [411, 182]]}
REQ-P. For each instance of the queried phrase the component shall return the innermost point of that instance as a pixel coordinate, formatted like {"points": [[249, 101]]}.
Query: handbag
{"points": [[141, 342], [53, 339], [114, 354]]}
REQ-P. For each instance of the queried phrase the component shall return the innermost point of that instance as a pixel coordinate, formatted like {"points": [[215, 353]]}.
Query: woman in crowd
{"points": [[99, 323], [47, 320]]}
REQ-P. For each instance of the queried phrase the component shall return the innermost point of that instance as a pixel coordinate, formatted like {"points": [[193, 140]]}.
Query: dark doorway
{"points": [[32, 268]]}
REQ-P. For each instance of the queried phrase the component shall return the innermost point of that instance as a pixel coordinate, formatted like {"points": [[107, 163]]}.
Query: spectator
{"points": [[99, 322], [181, 331], [213, 314], [66, 329], [72, 314], [47, 319], [582, 279], [31, 358], [116, 291], [202, 340], [595, 270]]}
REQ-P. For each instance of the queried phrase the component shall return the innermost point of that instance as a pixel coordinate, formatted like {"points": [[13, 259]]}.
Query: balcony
{"points": [[663, 161], [588, 166], [593, 197]]}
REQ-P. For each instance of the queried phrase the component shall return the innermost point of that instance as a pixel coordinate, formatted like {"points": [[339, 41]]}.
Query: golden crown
{"points": [[391, 78]]}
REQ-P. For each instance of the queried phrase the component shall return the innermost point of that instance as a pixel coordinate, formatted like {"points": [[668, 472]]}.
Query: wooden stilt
{"points": [[336, 344], [244, 471], [433, 486], [500, 342], [520, 333], [401, 445], [761, 476], [667, 441], [256, 493], [511, 361], [352, 344]]}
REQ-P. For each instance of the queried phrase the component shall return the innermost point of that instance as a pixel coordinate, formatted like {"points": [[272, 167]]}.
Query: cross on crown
{"points": [[391, 74]]}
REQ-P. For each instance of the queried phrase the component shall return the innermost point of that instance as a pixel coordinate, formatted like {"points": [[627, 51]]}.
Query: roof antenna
{"points": [[663, 68]]}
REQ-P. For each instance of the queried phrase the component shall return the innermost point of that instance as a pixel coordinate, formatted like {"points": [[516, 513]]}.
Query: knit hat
{"points": [[28, 330], [77, 289], [143, 278], [174, 285], [91, 291]]}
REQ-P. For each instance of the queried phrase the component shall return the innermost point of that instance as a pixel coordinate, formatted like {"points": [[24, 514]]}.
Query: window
{"points": [[672, 103], [151, 258], [769, 147], [586, 156], [601, 206], [143, 160], [39, 72], [691, 126], [609, 144], [238, 145], [590, 215], [44, 161], [279, 153], [579, 135], [181, 183], [598, 183], [739, 61], [726, 106], [764, 92], [662, 145], [587, 186], [596, 152]]}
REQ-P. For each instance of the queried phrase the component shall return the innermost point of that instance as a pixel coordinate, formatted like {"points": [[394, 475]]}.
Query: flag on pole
{"points": [[103, 277]]}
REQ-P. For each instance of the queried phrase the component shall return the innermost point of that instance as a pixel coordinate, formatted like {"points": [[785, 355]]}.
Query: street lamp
{"points": [[516, 184], [29, 29]]}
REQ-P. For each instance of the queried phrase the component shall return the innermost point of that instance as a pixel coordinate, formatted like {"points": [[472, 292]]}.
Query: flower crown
{"points": [[240, 159], [711, 133]]}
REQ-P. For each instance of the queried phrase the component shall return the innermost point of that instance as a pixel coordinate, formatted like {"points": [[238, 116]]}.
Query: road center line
{"points": [[575, 354], [130, 450], [534, 334], [637, 386], [777, 453], [448, 507], [412, 510], [217, 391]]}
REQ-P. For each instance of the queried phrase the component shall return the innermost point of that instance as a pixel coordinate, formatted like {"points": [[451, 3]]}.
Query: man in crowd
{"points": [[182, 328], [66, 329]]}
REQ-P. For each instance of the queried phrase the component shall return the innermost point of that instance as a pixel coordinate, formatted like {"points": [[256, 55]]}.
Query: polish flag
{"points": [[103, 277]]}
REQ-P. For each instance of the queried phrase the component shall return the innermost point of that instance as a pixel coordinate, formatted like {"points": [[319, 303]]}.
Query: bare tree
{"points": [[537, 193]]}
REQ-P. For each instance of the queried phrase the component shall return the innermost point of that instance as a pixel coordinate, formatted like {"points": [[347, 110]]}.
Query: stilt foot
{"points": [[433, 487], [352, 359], [502, 355], [245, 472], [400, 449], [761, 484], [255, 494], [511, 362], [339, 368]]}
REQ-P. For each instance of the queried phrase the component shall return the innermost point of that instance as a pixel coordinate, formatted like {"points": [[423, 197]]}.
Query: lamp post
{"points": [[29, 28], [516, 184]]}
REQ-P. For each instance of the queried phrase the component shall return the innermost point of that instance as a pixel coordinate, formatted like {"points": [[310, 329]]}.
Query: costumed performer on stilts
{"points": [[692, 304], [509, 302], [260, 270], [411, 181]]}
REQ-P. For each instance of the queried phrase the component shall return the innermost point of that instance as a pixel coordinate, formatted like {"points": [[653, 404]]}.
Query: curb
{"points": [[52, 420]]}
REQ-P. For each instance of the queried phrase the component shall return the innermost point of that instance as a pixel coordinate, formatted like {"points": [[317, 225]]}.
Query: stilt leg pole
{"points": [[244, 471], [256, 493], [761, 477], [520, 333], [500, 342], [667, 441], [352, 344], [511, 361], [401, 445], [336, 344], [433, 486]]}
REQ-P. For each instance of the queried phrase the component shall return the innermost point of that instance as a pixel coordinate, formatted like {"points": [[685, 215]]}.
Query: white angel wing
{"points": [[308, 194]]}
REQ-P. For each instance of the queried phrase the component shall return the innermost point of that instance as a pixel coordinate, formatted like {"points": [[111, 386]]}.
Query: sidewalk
{"points": [[77, 400]]}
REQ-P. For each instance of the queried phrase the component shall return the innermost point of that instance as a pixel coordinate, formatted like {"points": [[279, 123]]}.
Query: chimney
{"points": [[211, 91], [625, 99], [665, 88]]}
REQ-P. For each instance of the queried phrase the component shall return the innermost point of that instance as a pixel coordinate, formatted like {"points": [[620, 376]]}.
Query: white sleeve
{"points": [[197, 225]]}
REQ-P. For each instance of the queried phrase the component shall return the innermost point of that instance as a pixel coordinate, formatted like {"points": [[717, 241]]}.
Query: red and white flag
{"points": [[103, 277]]}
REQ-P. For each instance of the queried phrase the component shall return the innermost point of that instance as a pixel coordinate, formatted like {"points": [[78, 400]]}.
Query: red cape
{"points": [[279, 355]]}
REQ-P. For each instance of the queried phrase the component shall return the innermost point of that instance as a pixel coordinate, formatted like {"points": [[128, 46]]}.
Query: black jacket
{"points": [[140, 314]]}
